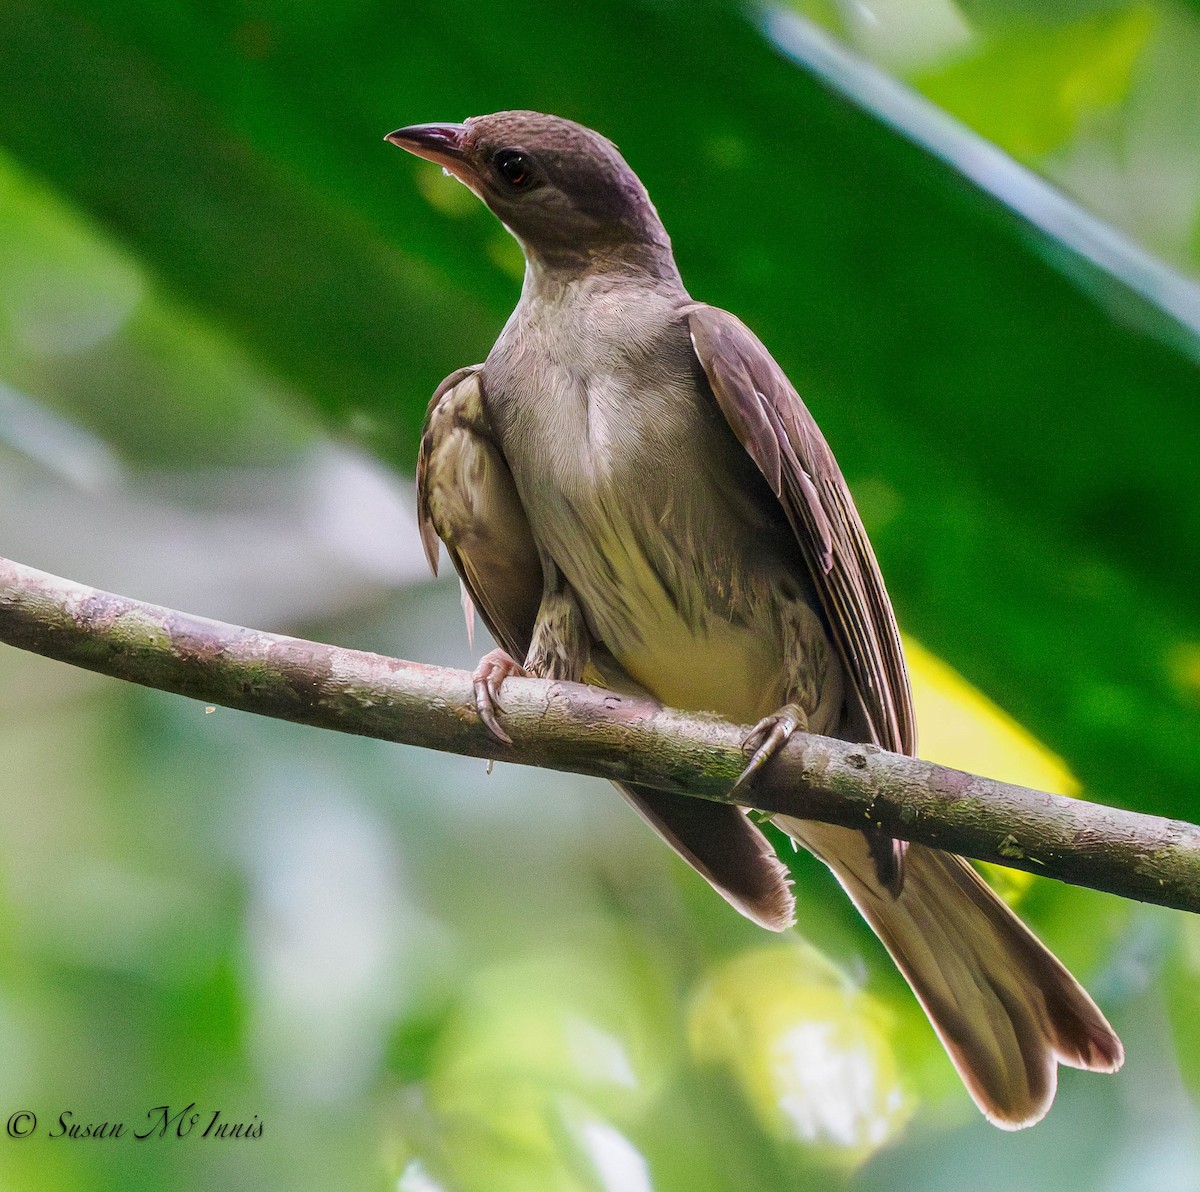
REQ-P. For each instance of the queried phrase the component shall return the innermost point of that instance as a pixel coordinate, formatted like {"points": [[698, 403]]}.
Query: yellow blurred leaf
{"points": [[958, 726], [810, 1051]]}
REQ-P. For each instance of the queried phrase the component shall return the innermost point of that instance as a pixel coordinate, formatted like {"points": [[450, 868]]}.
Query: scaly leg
{"points": [[560, 649], [767, 738], [494, 667]]}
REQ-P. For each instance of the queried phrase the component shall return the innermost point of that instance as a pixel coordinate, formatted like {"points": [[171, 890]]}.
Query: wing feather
{"points": [[466, 497], [771, 421]]}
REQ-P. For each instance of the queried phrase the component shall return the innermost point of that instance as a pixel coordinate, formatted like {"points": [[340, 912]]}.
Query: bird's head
{"points": [[564, 191]]}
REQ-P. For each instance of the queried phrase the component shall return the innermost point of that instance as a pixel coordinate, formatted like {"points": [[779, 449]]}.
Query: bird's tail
{"points": [[1006, 1009]]}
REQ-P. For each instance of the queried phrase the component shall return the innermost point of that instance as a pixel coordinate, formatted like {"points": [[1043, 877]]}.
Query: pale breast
{"points": [[622, 467]]}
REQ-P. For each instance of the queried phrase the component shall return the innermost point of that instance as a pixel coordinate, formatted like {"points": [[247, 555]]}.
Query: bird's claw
{"points": [[766, 739], [487, 678]]}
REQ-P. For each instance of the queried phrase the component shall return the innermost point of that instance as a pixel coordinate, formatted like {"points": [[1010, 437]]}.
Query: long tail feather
{"points": [[1006, 1009]]}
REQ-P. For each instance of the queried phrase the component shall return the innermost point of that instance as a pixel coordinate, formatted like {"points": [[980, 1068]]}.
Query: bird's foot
{"points": [[767, 738], [494, 667]]}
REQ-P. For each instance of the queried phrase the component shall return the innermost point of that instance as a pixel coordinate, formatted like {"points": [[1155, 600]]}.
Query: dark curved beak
{"points": [[440, 143]]}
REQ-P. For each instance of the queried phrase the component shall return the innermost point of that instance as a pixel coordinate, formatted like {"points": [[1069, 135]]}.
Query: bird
{"points": [[634, 495]]}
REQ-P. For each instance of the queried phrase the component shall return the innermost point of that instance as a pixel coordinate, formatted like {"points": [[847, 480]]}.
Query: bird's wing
{"points": [[780, 435], [467, 498], [1006, 1009]]}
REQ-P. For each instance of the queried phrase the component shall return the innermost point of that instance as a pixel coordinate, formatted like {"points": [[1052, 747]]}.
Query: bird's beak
{"points": [[439, 143]]}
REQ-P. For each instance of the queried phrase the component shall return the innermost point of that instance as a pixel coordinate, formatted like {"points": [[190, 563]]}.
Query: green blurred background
{"points": [[971, 233]]}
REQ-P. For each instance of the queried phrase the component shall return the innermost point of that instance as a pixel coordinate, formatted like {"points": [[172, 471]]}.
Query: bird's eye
{"points": [[515, 168]]}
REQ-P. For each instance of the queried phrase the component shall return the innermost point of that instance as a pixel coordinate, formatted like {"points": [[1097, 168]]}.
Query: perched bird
{"points": [[634, 495]]}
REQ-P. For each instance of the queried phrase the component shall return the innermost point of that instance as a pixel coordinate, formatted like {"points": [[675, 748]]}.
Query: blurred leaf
{"points": [[1051, 80], [548, 1024], [1005, 14], [62, 290], [1183, 1000], [234, 228], [84, 331], [960, 727], [810, 1052], [542, 1056]]}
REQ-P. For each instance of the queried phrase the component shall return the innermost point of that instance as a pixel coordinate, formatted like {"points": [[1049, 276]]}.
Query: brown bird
{"points": [[634, 495]]}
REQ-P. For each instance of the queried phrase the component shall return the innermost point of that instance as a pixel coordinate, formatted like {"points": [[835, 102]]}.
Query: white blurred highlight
{"points": [[620, 1166]]}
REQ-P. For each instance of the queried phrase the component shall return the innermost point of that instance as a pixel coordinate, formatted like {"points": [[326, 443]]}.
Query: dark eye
{"points": [[515, 167]]}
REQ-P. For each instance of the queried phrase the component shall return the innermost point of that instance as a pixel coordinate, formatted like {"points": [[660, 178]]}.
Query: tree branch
{"points": [[568, 726]]}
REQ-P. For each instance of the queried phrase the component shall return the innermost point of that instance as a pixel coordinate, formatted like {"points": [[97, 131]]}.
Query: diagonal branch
{"points": [[567, 726]]}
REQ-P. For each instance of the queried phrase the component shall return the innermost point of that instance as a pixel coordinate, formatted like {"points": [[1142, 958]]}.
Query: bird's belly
{"points": [[726, 669], [659, 613]]}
